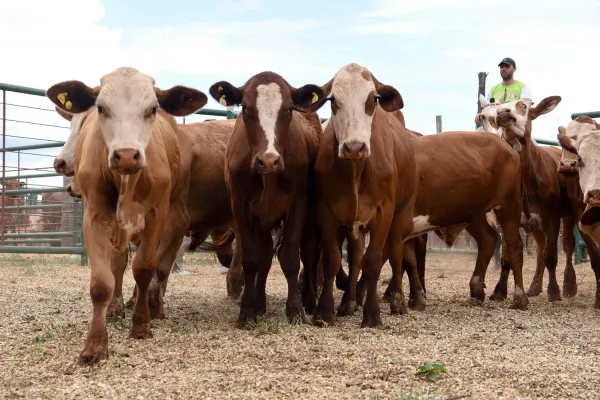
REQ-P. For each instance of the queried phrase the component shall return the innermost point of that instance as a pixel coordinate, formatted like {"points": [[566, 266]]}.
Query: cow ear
{"points": [[545, 106], [309, 98], [73, 96], [389, 98], [64, 114], [180, 100], [566, 142], [226, 94], [483, 101]]}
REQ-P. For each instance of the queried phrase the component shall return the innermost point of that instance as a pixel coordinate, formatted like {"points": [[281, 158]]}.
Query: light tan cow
{"points": [[126, 162]]}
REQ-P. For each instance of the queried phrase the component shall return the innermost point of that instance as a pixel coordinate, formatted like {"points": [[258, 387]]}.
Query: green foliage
{"points": [[431, 371]]}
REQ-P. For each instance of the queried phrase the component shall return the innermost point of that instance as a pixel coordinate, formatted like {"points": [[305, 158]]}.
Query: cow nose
{"points": [[59, 164], [126, 161], [269, 162], [354, 150]]}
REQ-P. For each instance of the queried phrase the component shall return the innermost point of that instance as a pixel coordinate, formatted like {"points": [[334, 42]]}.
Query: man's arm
{"points": [[526, 93]]}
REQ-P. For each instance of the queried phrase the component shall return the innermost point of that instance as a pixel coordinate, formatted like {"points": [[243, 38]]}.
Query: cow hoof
{"points": [[371, 320], [520, 303], [296, 316], [323, 319], [347, 308], [140, 331], [554, 295], [397, 303], [478, 292], [417, 303], [535, 289], [246, 317], [234, 289], [570, 290], [92, 356], [498, 296], [116, 309]]}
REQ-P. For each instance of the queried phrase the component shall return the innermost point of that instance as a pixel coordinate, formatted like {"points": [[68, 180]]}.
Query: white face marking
{"points": [[67, 153], [588, 148], [351, 121], [127, 96], [268, 104]]}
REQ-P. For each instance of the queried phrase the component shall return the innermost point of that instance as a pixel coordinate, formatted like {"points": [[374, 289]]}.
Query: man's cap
{"points": [[508, 61]]}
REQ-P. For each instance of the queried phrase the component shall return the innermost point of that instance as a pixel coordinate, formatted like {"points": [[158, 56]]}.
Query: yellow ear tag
{"points": [[223, 101], [220, 88], [62, 97], [69, 105], [315, 98]]}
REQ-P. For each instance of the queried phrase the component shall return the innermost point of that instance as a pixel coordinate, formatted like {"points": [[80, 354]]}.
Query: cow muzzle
{"points": [[61, 167], [269, 163], [127, 161], [569, 167], [73, 190], [354, 150], [504, 118]]}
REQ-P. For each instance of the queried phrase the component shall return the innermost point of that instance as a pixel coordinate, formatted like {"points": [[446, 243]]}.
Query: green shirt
{"points": [[514, 91]]}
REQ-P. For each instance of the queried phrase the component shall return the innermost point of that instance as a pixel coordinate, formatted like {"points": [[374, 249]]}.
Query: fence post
{"points": [[3, 160], [481, 76], [438, 123]]}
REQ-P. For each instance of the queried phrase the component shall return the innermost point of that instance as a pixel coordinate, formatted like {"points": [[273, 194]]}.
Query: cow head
{"points": [[583, 140], [355, 94], [570, 162], [488, 113], [126, 102], [515, 118], [64, 163], [267, 102], [13, 184]]}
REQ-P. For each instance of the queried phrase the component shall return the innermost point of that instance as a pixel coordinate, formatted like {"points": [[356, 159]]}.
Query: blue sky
{"points": [[430, 50]]}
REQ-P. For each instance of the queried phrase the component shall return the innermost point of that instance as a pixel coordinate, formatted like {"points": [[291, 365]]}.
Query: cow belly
{"points": [[421, 225]]}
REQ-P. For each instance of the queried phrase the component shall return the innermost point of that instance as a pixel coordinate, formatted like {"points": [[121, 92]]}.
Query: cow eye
{"points": [[153, 110], [100, 110], [376, 99], [332, 100]]}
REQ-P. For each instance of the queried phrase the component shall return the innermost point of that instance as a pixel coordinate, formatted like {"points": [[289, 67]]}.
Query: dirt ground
{"points": [[550, 351]]}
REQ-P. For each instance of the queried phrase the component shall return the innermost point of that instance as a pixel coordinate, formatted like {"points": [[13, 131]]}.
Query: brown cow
{"points": [[202, 149], [363, 132], [127, 169], [268, 170], [365, 178], [549, 194]]}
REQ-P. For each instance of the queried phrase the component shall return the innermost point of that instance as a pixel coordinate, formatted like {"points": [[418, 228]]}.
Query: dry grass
{"points": [[490, 352]]}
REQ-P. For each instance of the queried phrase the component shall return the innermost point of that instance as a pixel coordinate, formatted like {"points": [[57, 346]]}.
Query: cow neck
{"points": [[529, 155]]}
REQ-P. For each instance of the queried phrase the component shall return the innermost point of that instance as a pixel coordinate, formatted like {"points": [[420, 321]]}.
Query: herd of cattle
{"points": [[281, 183]]}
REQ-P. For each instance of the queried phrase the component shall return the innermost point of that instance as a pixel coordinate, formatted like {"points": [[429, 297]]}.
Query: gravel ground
{"points": [[550, 351]]}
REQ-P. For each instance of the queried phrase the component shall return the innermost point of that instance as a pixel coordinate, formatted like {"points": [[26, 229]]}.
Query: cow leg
{"points": [[144, 266], [416, 299], [102, 285], [535, 289], [594, 254], [348, 305], [486, 238], [331, 255], [568, 242], [420, 254], [177, 223], [235, 274], [297, 227], [309, 254], [371, 262], [342, 279], [552, 227], [257, 255], [509, 217], [225, 255], [118, 263]]}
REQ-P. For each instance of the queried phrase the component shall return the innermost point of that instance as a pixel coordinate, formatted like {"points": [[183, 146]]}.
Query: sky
{"points": [[430, 50]]}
